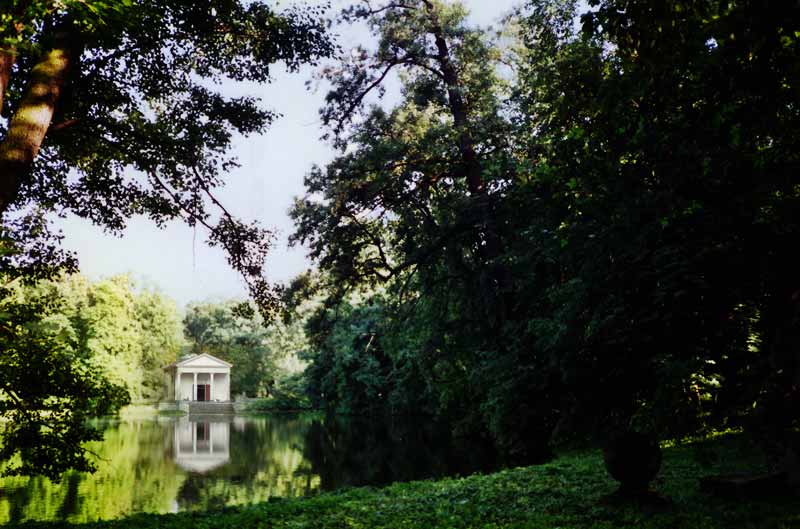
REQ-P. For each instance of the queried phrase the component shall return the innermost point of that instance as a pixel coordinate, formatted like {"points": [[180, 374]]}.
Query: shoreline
{"points": [[567, 492]]}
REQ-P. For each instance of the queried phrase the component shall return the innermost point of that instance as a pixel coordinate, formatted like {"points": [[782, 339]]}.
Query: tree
{"points": [[660, 141], [112, 109], [120, 95], [160, 338], [48, 391], [627, 264], [408, 213]]}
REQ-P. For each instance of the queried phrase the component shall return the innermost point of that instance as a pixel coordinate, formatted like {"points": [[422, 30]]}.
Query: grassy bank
{"points": [[566, 493]]}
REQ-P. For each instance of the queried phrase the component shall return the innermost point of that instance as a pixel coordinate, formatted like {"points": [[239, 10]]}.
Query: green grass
{"points": [[566, 493]]}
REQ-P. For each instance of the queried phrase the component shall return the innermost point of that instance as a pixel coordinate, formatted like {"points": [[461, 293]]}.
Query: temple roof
{"points": [[201, 360]]}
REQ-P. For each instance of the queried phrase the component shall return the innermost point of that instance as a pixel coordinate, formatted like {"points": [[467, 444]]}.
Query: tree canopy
{"points": [[113, 108], [73, 350], [110, 109], [580, 225]]}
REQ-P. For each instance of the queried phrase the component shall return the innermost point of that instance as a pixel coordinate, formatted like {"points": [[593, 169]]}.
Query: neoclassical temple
{"points": [[198, 378]]}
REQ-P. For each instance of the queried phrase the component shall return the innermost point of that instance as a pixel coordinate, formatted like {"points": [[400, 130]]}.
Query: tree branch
{"points": [[30, 123], [375, 241], [458, 108], [192, 216], [64, 125], [370, 11], [210, 195], [360, 98]]}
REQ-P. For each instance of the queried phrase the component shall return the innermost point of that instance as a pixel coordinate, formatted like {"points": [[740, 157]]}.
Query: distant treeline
{"points": [[263, 356], [126, 333]]}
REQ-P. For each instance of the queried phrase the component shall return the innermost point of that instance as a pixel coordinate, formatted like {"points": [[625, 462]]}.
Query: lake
{"points": [[162, 465]]}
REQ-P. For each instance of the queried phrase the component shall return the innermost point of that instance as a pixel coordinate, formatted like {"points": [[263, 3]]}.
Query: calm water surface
{"points": [[177, 464]]}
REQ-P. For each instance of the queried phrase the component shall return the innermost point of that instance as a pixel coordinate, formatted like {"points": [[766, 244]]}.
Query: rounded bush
{"points": [[633, 459]]}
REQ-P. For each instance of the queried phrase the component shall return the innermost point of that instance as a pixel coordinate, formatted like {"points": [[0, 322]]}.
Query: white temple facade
{"points": [[199, 378]]}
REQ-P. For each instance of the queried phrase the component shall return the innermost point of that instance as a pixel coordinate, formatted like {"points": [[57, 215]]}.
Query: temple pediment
{"points": [[201, 360]]}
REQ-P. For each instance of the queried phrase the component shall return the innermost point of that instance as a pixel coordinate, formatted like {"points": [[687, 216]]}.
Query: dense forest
{"points": [[127, 334], [580, 223], [583, 223]]}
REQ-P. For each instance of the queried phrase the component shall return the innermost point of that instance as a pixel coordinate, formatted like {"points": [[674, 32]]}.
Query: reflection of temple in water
{"points": [[201, 446]]}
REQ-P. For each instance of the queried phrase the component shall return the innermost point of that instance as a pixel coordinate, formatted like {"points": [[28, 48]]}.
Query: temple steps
{"points": [[210, 408]]}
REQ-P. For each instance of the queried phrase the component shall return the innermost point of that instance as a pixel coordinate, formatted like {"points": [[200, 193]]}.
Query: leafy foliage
{"points": [[49, 391], [153, 140], [599, 240], [72, 351]]}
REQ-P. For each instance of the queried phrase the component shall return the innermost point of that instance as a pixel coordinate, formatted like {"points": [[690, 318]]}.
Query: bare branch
{"points": [[370, 11], [376, 241], [210, 195], [192, 216], [64, 125], [360, 98]]}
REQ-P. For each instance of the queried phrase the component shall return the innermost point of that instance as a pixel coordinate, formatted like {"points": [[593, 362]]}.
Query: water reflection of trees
{"points": [[356, 451], [281, 456], [266, 460], [133, 475], [300, 455]]}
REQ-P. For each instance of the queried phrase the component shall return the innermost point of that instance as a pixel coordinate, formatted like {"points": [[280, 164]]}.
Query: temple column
{"points": [[194, 387], [211, 386], [177, 383]]}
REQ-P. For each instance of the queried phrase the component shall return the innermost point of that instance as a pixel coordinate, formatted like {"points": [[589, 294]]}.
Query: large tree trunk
{"points": [[458, 108], [29, 124], [7, 58], [497, 276]]}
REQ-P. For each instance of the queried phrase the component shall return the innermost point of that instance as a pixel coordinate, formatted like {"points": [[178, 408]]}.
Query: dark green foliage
{"points": [[49, 392], [665, 176], [626, 258], [290, 394], [399, 211], [349, 366]]}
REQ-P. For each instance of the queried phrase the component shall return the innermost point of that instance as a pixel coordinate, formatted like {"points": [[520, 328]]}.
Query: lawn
{"points": [[566, 493]]}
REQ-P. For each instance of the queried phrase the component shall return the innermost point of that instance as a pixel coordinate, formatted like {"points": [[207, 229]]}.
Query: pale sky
{"points": [[176, 259]]}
